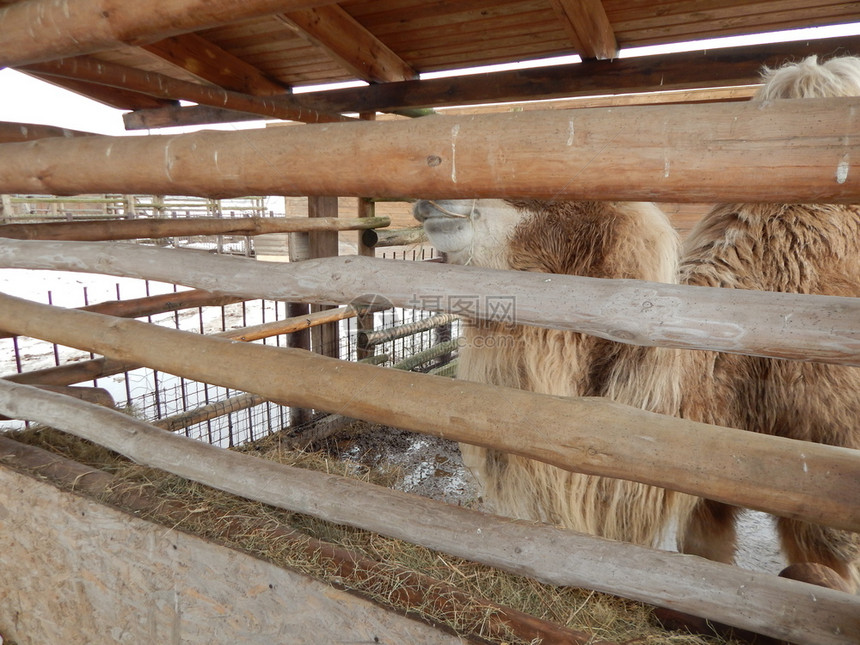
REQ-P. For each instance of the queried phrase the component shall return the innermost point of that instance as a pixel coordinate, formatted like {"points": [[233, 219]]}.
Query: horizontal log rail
{"points": [[100, 367], [796, 479], [158, 304], [785, 151], [760, 602], [123, 229], [781, 325], [16, 132]]}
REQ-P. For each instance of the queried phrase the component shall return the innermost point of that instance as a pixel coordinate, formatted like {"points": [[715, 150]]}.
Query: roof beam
{"points": [[689, 70], [349, 43], [211, 63], [40, 30], [154, 84], [114, 97], [172, 116], [588, 27]]}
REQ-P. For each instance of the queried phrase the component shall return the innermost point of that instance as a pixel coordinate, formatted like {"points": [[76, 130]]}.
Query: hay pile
{"points": [[460, 595]]}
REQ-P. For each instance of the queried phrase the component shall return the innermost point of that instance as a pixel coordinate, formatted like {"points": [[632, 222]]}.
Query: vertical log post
{"points": [[299, 249], [366, 208], [324, 338]]}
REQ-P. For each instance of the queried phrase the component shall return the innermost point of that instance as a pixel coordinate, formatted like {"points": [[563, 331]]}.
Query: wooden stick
{"points": [[285, 107], [787, 150], [796, 479], [400, 237], [413, 589], [120, 229], [782, 325], [206, 412], [371, 338], [44, 30], [756, 601]]}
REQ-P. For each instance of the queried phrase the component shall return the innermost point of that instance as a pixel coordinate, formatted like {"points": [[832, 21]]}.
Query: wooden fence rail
{"points": [[760, 602], [782, 325], [700, 153], [119, 229], [796, 479]]}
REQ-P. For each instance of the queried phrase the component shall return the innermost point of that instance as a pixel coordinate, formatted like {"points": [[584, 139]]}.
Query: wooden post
{"points": [[325, 339], [299, 250]]}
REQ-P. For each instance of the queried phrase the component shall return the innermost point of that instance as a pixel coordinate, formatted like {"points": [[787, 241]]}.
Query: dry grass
{"points": [[264, 532]]}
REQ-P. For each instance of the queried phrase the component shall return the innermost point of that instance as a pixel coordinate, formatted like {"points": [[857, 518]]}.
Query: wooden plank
{"points": [[589, 29], [154, 84], [211, 63], [781, 325], [79, 571], [44, 30], [357, 571], [176, 115], [348, 42], [795, 479], [751, 600], [687, 70], [154, 228], [783, 151]]}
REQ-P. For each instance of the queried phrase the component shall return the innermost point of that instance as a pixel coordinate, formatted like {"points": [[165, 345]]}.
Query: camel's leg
{"points": [[837, 549], [710, 532]]}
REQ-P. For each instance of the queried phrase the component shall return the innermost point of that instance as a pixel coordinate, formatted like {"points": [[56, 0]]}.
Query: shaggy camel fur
{"points": [[597, 239], [797, 248]]}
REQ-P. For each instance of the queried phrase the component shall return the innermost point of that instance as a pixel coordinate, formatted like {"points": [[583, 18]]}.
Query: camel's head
{"points": [[469, 231]]}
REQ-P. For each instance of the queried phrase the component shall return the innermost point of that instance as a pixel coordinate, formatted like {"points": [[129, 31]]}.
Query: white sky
{"points": [[27, 100]]}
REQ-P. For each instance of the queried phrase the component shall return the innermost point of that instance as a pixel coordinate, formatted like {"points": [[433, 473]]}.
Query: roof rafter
{"points": [[40, 30], [588, 27], [115, 97], [348, 42], [154, 84], [211, 63]]}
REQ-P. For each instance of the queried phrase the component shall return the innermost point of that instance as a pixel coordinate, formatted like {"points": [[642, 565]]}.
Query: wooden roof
{"points": [[249, 56]]}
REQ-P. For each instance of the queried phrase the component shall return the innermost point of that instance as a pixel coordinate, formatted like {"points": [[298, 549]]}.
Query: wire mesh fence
{"points": [[229, 417]]}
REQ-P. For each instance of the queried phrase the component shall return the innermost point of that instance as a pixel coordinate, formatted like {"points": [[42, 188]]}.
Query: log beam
{"points": [[284, 107], [781, 325], [17, 132], [195, 54], [795, 479], [789, 150], [42, 30], [760, 602], [173, 116], [588, 27], [155, 228], [682, 71], [348, 42]]}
